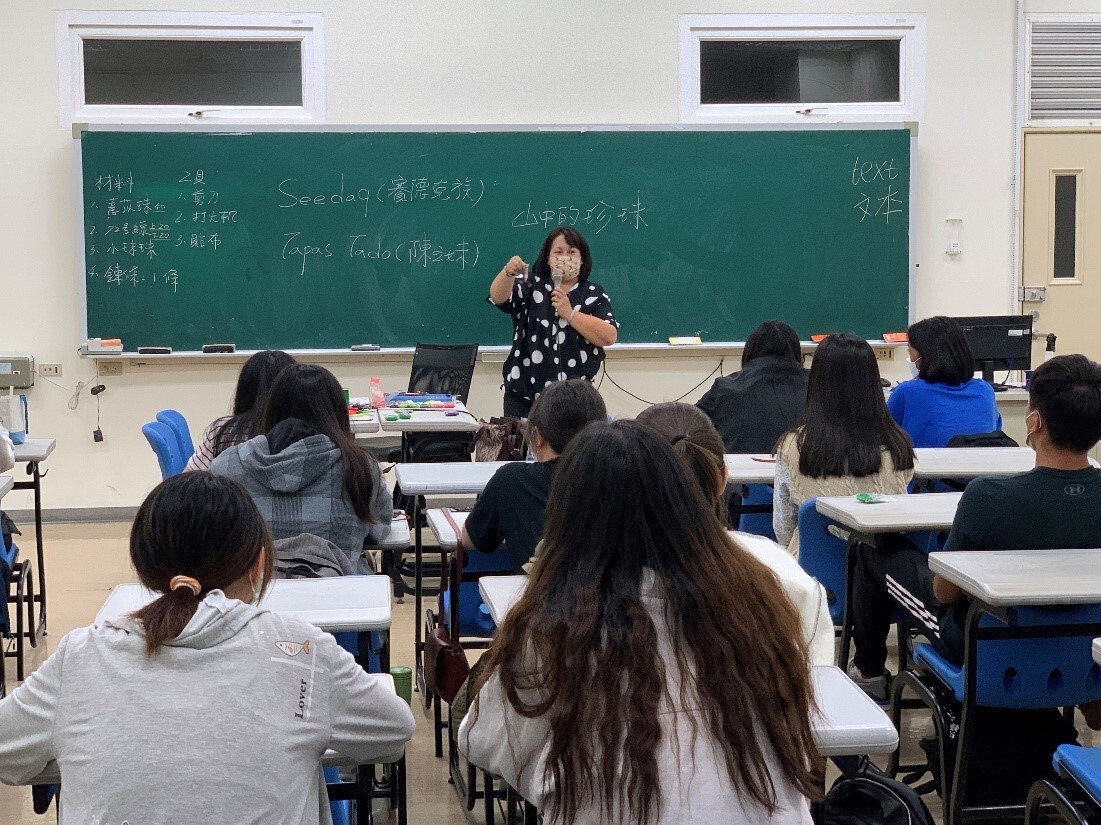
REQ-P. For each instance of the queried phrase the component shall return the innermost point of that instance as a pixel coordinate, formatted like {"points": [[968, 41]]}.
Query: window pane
{"points": [[1066, 225], [799, 71], [193, 72]]}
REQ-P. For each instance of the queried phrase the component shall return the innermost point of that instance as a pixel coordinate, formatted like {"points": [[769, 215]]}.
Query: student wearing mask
{"points": [[697, 444], [753, 407], [600, 702], [201, 705], [845, 443], [253, 383], [510, 509], [306, 473], [943, 399]]}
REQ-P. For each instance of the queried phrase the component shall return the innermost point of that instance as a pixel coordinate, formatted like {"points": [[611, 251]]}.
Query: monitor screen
{"points": [[999, 342]]}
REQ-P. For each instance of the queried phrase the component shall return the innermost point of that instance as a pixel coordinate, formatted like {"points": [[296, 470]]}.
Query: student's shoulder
{"points": [[999, 491]]}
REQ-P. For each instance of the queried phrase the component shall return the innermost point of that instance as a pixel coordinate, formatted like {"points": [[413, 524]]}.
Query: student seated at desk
{"points": [[200, 706], [653, 671], [845, 443], [1056, 505], [257, 375], [510, 509], [697, 444], [753, 407], [7, 450], [944, 399], [306, 473]]}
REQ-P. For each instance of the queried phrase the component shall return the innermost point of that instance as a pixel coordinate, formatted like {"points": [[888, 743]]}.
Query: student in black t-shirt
{"points": [[1055, 505], [510, 509]]}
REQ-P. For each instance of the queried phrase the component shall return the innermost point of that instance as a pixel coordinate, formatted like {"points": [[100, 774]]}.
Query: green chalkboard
{"points": [[327, 239]]}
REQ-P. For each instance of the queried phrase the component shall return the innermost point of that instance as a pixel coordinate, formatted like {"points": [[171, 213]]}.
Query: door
{"points": [[1060, 241]]}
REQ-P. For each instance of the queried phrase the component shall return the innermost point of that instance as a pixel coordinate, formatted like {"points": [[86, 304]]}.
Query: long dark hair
{"points": [[621, 504], [198, 525], [563, 408], [312, 394], [845, 424], [574, 239], [946, 356], [257, 375], [696, 441], [773, 338]]}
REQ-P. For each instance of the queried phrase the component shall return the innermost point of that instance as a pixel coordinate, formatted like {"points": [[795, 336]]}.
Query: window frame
{"points": [[909, 29], [1053, 175], [73, 27]]}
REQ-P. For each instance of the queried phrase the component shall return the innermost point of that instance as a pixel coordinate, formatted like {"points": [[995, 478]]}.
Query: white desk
{"points": [[500, 593], [966, 463], [746, 468], [32, 452], [6, 483], [446, 478], [336, 605], [931, 511], [364, 422], [441, 527], [1023, 577], [430, 421]]}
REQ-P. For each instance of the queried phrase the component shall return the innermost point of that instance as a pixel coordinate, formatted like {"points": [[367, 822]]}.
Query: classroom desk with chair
{"points": [[32, 452], [457, 420], [1010, 578], [363, 423]]}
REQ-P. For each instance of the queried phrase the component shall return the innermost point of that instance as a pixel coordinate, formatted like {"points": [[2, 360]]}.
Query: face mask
{"points": [[257, 589], [913, 367], [569, 266], [1029, 433]]}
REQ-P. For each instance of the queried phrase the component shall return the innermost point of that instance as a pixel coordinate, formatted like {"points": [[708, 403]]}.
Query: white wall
{"points": [[427, 62]]}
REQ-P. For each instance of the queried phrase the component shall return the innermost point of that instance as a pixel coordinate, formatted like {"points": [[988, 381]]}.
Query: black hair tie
{"points": [[679, 438]]}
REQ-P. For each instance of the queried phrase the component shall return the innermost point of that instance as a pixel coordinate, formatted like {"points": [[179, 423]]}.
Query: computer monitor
{"points": [[999, 342]]}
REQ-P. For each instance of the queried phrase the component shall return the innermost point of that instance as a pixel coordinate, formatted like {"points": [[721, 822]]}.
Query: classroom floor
{"points": [[84, 561]]}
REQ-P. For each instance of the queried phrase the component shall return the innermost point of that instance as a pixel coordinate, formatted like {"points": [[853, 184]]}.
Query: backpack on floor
{"points": [[870, 797]]}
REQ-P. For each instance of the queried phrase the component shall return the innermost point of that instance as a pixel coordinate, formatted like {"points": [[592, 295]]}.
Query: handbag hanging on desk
{"points": [[445, 663]]}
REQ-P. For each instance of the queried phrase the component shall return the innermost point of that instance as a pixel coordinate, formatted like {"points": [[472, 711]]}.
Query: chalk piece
{"points": [[365, 347], [217, 348], [895, 337], [685, 340]]}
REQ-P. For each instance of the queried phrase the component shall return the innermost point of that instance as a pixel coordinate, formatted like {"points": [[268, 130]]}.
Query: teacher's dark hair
{"points": [[623, 508], [945, 354], [198, 525], [313, 395], [845, 424], [256, 377], [1066, 391], [574, 239], [773, 338], [698, 444], [563, 408]]}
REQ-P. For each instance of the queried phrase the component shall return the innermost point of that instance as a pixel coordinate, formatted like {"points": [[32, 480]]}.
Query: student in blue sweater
{"points": [[944, 399]]}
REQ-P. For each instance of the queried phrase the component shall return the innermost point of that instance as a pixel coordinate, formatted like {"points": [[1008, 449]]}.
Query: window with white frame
{"points": [[1063, 71], [781, 68], [180, 67]]}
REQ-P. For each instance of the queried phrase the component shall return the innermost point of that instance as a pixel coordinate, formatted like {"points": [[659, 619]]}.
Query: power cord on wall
{"points": [[606, 374]]}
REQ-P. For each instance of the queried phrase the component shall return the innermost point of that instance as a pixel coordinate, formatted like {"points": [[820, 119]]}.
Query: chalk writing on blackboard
{"points": [[878, 197], [419, 252], [599, 215], [395, 189]]}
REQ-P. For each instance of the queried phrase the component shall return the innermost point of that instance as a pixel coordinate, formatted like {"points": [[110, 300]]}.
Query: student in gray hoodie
{"points": [[200, 706], [306, 473]]}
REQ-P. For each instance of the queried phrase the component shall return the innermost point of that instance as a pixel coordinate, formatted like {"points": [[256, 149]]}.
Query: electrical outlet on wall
{"points": [[50, 370], [109, 368]]}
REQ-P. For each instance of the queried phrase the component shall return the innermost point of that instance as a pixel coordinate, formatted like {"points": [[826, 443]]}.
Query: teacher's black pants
{"points": [[516, 406]]}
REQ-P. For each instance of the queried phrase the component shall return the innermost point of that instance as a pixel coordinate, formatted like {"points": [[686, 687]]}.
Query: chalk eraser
{"points": [[685, 340], [820, 337], [216, 348], [154, 350], [365, 347], [895, 337]]}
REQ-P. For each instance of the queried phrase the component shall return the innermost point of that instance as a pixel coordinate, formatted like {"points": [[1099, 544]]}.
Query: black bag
{"points": [[869, 797], [994, 439]]}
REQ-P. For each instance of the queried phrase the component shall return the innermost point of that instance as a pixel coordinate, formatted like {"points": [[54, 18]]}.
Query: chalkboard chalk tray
{"points": [[322, 239]]}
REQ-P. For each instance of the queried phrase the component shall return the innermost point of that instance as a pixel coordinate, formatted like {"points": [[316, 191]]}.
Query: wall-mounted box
{"points": [[16, 371]]}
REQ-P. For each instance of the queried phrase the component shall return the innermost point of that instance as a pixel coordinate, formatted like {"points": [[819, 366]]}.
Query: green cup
{"points": [[403, 682], [347, 396]]}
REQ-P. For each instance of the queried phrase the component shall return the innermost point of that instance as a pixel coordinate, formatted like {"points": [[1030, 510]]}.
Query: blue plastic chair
{"points": [[1079, 772], [179, 426], [23, 582], [1032, 657], [759, 524], [162, 439]]}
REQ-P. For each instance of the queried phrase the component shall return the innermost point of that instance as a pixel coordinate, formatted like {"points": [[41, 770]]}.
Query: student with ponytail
{"points": [[201, 705], [698, 444]]}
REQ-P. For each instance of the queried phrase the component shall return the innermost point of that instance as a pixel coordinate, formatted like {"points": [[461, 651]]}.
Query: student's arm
{"points": [[501, 287], [27, 722], [482, 528], [964, 535], [368, 720], [944, 591], [204, 453], [896, 405], [382, 506], [785, 514], [7, 450], [821, 637]]}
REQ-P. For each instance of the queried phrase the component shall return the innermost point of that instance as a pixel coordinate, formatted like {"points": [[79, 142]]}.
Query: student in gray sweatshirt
{"points": [[201, 706]]}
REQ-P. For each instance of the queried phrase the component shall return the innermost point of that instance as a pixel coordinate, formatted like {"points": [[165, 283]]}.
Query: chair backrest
{"points": [[1047, 671], [162, 439], [443, 368], [759, 524], [179, 426], [822, 555]]}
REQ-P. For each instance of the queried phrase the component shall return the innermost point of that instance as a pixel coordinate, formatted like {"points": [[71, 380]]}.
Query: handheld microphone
{"points": [[556, 277]]}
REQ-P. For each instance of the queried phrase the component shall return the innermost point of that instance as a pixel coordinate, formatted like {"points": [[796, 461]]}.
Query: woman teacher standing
{"points": [[558, 332]]}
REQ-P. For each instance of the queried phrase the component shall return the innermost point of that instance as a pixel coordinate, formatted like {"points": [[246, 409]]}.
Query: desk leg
{"points": [[418, 647], [384, 652], [36, 485], [851, 549]]}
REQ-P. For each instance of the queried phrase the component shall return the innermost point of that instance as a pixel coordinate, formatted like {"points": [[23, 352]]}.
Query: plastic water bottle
{"points": [[378, 398]]}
